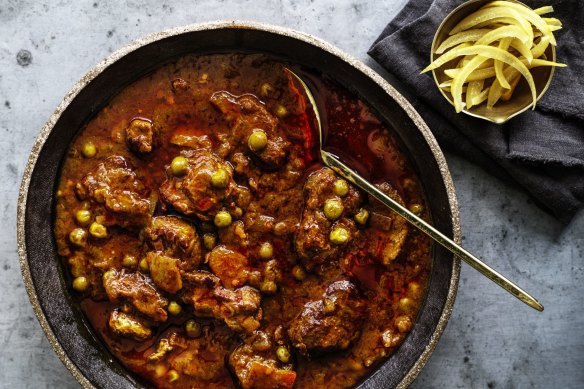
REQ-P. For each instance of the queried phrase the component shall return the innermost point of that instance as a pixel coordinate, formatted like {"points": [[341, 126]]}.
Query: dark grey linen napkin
{"points": [[541, 150]]}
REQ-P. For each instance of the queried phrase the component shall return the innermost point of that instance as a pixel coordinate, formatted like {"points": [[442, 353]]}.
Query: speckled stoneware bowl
{"points": [[61, 318]]}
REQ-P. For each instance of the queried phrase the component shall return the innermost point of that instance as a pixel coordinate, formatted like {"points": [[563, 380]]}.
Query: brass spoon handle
{"points": [[334, 163]]}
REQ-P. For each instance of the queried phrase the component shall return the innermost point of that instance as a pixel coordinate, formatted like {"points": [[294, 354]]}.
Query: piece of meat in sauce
{"points": [[245, 114], [140, 136], [313, 244], [126, 201], [389, 231], [239, 308], [256, 366], [232, 268], [331, 323], [128, 326], [234, 235], [175, 237], [193, 192], [166, 343], [202, 359], [137, 289], [164, 271]]}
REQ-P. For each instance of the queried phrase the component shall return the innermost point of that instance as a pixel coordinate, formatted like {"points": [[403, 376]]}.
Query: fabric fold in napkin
{"points": [[541, 150]]}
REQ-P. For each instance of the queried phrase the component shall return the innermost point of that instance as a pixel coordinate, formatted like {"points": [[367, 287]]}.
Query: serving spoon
{"points": [[340, 168]]}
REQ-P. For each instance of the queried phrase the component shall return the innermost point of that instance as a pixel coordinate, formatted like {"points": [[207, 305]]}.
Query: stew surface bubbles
{"points": [[209, 248]]}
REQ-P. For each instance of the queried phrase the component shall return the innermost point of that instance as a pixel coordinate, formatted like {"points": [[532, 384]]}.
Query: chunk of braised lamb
{"points": [[202, 358], [239, 308], [164, 271], [320, 187], [264, 213], [246, 114], [271, 275], [331, 323], [257, 369], [176, 238], [234, 234], [138, 289], [313, 238], [128, 326], [127, 202], [168, 343], [192, 141], [179, 85], [198, 289], [201, 279], [231, 267], [81, 265], [140, 136], [193, 192], [389, 231]]}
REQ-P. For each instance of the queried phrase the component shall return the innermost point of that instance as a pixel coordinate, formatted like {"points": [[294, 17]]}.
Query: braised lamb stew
{"points": [[209, 248]]}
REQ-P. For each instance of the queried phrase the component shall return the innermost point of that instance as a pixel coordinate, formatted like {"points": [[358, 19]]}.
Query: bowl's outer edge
{"points": [[349, 59]]}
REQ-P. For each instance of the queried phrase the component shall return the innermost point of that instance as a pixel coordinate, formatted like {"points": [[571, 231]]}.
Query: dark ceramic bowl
{"points": [[60, 317]]}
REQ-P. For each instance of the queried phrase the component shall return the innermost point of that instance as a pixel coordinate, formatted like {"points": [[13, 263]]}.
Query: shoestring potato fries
{"points": [[495, 47]]}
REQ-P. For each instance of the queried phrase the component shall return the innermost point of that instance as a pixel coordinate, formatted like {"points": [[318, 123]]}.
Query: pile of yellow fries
{"points": [[498, 44]]}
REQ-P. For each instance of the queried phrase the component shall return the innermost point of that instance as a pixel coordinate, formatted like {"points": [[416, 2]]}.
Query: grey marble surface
{"points": [[491, 341]]}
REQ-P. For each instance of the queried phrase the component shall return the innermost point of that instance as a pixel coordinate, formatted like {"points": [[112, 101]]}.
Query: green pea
{"points": [[89, 150], [362, 216], [193, 329], [174, 308], [129, 260], [339, 235], [333, 209], [179, 165], [173, 375], [237, 212], [220, 179], [98, 230], [414, 289], [280, 228], [209, 240], [281, 111], [268, 287], [80, 284], [222, 219], [78, 236], [83, 217], [298, 273], [266, 250], [266, 89], [144, 265], [257, 141], [341, 188], [416, 208], [405, 304], [283, 354]]}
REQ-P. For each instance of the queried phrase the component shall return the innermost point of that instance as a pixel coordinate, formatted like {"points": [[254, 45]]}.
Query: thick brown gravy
{"points": [[207, 259]]}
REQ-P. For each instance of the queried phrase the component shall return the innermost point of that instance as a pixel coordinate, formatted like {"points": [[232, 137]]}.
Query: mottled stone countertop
{"points": [[491, 341]]}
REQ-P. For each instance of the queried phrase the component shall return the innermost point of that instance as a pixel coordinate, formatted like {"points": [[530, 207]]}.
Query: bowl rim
{"points": [[242, 25]]}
